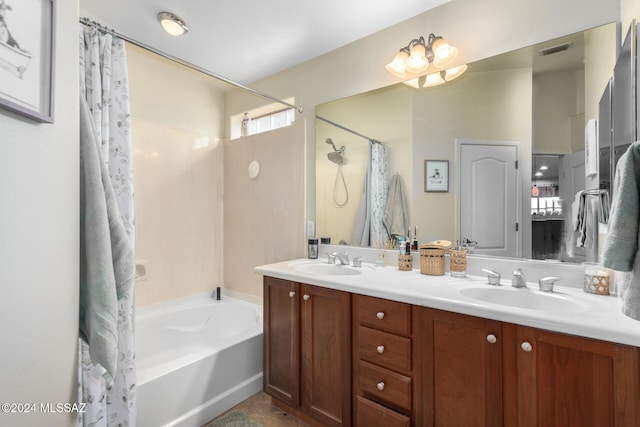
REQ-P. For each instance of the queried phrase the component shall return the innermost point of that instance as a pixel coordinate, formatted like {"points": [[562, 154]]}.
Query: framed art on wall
{"points": [[27, 53], [436, 175]]}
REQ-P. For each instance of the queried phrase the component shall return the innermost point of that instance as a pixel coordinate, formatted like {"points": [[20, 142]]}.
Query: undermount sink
{"points": [[524, 298], [329, 269]]}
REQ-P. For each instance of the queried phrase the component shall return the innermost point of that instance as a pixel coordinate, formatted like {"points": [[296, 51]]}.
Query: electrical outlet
{"points": [[311, 228]]}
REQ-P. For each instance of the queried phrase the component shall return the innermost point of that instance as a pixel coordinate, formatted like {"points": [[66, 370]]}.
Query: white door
{"points": [[489, 198], [572, 180]]}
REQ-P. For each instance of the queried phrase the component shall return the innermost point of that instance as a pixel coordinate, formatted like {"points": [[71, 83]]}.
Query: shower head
{"points": [[336, 156]]}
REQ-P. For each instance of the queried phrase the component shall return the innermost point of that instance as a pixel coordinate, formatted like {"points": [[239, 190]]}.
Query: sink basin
{"points": [[524, 298], [329, 269]]}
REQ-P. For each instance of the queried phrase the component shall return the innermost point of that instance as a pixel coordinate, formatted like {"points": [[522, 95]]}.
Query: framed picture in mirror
{"points": [[436, 176]]}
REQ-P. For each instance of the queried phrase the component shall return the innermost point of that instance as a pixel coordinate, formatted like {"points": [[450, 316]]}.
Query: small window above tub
{"points": [[262, 119]]}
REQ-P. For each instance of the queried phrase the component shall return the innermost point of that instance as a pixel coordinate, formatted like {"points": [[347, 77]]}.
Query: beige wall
{"points": [[177, 126], [263, 217], [39, 249], [385, 115], [492, 106]]}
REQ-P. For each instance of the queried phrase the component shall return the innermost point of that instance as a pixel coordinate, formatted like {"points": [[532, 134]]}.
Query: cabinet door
{"points": [[571, 381], [463, 370], [326, 350], [281, 340]]}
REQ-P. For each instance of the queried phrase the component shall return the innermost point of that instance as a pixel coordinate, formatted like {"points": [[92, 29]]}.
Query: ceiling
{"points": [[250, 40]]}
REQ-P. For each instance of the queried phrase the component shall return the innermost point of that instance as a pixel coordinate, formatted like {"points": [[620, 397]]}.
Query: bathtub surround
{"points": [[106, 250], [178, 173]]}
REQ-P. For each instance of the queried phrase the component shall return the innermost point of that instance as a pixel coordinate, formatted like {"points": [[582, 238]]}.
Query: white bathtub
{"points": [[196, 358]]}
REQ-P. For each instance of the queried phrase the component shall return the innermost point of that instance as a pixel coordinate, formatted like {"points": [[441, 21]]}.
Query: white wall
{"points": [[39, 249]]}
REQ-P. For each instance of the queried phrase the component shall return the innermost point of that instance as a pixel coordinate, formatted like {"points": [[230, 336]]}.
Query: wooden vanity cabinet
{"points": [[383, 363], [307, 347], [411, 366], [462, 379], [563, 380]]}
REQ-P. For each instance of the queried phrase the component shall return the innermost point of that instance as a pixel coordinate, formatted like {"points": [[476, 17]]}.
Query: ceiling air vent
{"points": [[555, 49]]}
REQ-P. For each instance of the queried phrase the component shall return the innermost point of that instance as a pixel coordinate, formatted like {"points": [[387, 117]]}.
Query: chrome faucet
{"points": [[518, 280], [343, 258], [493, 277]]}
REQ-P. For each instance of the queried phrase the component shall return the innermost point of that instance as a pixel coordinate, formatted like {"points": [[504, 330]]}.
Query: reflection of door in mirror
{"points": [[489, 197]]}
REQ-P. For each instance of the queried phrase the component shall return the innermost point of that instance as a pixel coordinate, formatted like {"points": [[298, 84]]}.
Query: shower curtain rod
{"points": [[100, 27], [375, 141]]}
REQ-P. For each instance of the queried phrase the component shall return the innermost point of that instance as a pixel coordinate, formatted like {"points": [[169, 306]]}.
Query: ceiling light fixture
{"points": [[172, 24]]}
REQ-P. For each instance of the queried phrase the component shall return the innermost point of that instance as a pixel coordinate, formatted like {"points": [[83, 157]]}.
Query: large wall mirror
{"points": [[536, 99]]}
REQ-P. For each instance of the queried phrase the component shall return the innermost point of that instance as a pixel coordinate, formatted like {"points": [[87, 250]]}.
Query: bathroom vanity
{"points": [[380, 347]]}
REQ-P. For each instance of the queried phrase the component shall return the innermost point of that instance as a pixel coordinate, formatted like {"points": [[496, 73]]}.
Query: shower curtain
{"points": [[369, 229], [104, 85]]}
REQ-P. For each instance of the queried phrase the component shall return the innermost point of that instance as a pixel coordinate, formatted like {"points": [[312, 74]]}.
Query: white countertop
{"points": [[572, 311]]}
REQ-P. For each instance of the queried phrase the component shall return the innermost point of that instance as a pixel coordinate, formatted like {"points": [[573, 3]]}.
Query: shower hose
{"points": [[340, 175]]}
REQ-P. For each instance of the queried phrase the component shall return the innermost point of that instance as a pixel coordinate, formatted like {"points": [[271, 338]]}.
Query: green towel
{"points": [[621, 246], [106, 257]]}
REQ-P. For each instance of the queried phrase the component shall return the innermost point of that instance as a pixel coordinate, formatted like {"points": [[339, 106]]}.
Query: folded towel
{"points": [[396, 214], [621, 246], [106, 255]]}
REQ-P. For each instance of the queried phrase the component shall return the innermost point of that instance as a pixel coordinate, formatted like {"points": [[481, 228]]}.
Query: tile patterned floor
{"points": [[258, 407]]}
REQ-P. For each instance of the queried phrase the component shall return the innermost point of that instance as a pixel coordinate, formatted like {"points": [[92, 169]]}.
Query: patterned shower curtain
{"points": [[104, 84], [369, 229], [378, 191]]}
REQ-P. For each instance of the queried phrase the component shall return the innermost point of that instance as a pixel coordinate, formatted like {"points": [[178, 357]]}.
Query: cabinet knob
{"points": [[380, 349], [492, 339], [306, 297], [526, 346], [380, 315], [292, 294], [380, 386]]}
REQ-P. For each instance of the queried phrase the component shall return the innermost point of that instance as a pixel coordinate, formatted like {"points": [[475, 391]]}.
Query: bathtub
{"points": [[196, 358]]}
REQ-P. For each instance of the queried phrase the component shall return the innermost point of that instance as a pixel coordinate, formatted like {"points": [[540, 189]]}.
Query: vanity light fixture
{"points": [[172, 24], [419, 53]]}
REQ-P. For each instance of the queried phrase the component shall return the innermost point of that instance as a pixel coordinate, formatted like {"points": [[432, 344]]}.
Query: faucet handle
{"points": [[546, 283], [331, 257], [493, 276], [518, 280], [357, 261]]}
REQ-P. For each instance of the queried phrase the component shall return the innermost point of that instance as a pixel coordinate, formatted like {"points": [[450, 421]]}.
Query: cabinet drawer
{"points": [[385, 386], [370, 414], [385, 315], [382, 348]]}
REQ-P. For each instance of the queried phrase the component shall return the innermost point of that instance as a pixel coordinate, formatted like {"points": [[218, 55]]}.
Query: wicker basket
{"points": [[431, 260], [405, 262]]}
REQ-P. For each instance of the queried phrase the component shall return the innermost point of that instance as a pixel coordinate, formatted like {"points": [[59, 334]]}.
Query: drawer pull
{"points": [[380, 315], [292, 294], [526, 346], [492, 339], [380, 386], [380, 349], [306, 297]]}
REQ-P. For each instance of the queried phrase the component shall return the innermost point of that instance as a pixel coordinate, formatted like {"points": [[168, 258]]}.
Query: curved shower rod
{"points": [[104, 29]]}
